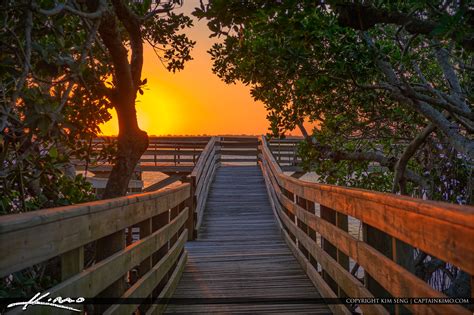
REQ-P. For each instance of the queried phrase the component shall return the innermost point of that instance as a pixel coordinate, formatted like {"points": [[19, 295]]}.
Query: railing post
{"points": [[157, 222], [106, 247], [329, 215], [145, 230], [341, 221], [382, 242], [191, 204], [72, 262]]}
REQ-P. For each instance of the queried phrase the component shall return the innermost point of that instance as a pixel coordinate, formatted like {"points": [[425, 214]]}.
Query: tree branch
{"points": [[111, 38], [410, 150], [131, 22], [363, 17], [303, 130], [85, 51], [404, 94], [26, 70], [166, 8], [450, 76], [101, 9], [368, 156]]}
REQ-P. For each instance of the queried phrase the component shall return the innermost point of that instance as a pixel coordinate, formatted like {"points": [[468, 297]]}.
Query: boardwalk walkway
{"points": [[240, 254]]}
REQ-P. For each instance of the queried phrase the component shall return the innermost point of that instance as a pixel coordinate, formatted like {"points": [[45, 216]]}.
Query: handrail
{"points": [[210, 159], [162, 152], [62, 233], [206, 153], [443, 230], [285, 151], [201, 178]]}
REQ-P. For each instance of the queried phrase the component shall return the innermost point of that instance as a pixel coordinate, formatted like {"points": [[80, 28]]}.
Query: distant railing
{"points": [[201, 178], [239, 150], [314, 222], [175, 150], [151, 264], [228, 150], [285, 151], [166, 154]]}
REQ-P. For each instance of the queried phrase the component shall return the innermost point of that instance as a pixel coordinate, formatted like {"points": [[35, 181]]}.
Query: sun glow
{"points": [[193, 101]]}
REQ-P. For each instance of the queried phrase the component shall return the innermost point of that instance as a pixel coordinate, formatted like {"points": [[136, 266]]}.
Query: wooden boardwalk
{"points": [[240, 256], [249, 257]]}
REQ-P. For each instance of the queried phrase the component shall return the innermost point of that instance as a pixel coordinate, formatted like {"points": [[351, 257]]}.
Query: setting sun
{"points": [[193, 101]]}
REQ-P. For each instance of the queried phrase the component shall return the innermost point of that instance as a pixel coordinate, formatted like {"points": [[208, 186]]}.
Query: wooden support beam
{"points": [[72, 262]]}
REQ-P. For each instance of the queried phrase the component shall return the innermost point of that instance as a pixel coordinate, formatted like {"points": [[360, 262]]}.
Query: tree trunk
{"points": [[132, 143], [131, 146]]}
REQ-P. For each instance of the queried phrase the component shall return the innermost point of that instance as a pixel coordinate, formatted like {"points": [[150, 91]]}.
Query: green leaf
{"points": [[53, 153]]}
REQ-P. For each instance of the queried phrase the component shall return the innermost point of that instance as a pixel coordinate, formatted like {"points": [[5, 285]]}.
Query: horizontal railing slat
{"points": [[160, 152], [93, 280], [238, 152], [30, 238], [147, 283], [392, 276], [451, 226], [406, 219], [309, 269], [206, 153], [170, 286], [443, 230]]}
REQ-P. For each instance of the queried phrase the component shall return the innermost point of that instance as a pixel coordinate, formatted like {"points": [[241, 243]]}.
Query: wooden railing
{"points": [[228, 150], [285, 151], [167, 154], [239, 150], [201, 178], [314, 222], [129, 247], [175, 150], [149, 264]]}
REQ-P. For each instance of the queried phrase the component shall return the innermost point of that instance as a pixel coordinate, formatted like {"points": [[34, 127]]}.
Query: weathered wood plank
{"points": [[239, 252], [65, 228], [451, 226], [206, 154], [400, 282], [145, 285], [239, 152], [72, 262], [401, 216], [93, 280], [170, 287]]}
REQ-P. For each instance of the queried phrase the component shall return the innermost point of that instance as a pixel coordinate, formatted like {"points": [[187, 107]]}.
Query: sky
{"points": [[194, 101]]}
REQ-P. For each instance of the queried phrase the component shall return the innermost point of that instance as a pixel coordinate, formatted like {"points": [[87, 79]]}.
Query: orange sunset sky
{"points": [[194, 101]]}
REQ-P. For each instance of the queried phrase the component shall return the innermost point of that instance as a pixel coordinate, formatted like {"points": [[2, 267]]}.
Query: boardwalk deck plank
{"points": [[240, 254]]}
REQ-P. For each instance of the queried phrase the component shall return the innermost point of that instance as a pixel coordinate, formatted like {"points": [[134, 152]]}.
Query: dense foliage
{"points": [[63, 65], [388, 83], [58, 81], [385, 94]]}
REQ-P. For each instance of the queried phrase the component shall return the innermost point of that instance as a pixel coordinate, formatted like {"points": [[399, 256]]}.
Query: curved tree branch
{"points": [[364, 16], [101, 9], [131, 22], [368, 156], [404, 93], [410, 150]]}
